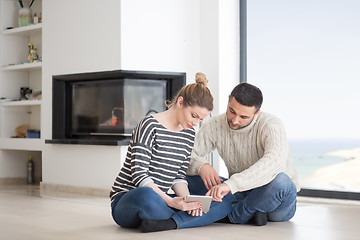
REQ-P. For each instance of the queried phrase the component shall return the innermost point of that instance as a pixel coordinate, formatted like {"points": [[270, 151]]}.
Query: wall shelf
{"points": [[24, 31], [21, 103], [23, 67], [28, 144]]}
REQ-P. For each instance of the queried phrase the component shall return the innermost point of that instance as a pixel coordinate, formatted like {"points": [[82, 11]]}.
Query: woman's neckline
{"points": [[162, 125]]}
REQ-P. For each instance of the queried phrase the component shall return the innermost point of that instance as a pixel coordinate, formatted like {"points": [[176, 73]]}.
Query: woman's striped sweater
{"points": [[155, 154]]}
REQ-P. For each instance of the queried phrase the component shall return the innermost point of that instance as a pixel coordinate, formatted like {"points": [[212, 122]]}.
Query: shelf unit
{"points": [[15, 73]]}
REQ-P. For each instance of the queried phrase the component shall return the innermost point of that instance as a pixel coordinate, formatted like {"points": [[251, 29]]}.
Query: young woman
{"points": [[157, 159]]}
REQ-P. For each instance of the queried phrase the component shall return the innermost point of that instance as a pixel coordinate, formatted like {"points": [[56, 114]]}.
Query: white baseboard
{"points": [[44, 187], [12, 181]]}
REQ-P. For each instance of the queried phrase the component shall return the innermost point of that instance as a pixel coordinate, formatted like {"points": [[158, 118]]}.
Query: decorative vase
{"points": [[33, 57], [25, 17]]}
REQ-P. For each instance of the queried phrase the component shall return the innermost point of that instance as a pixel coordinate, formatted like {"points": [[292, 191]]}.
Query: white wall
{"points": [[229, 60], [79, 36], [89, 35], [184, 35], [229, 50], [160, 35]]}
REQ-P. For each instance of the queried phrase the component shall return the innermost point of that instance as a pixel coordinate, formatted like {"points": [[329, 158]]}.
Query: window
{"points": [[305, 57]]}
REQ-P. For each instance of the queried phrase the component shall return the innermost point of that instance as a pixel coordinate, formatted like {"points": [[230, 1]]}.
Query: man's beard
{"points": [[232, 126]]}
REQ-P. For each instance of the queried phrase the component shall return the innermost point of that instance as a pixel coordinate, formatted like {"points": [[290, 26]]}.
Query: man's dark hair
{"points": [[248, 95]]}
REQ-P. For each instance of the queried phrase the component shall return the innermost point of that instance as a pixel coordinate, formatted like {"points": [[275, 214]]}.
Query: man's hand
{"points": [[209, 176], [218, 192]]}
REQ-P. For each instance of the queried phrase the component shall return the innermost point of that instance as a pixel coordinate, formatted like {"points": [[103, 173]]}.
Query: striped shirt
{"points": [[155, 154]]}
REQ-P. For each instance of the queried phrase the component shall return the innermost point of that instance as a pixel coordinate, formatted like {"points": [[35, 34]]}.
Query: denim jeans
{"points": [[129, 209], [277, 199]]}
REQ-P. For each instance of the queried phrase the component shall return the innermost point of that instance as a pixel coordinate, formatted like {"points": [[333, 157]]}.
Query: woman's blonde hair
{"points": [[195, 94]]}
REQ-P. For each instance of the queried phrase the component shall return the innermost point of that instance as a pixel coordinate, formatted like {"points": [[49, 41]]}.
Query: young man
{"points": [[254, 147]]}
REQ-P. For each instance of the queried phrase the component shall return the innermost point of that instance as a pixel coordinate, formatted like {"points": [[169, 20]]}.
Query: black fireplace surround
{"points": [[102, 108]]}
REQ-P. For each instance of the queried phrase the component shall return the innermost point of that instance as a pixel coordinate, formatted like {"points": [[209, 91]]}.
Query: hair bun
{"points": [[201, 78]]}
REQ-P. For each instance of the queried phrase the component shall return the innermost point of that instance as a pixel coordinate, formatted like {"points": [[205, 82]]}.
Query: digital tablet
{"points": [[205, 200]]}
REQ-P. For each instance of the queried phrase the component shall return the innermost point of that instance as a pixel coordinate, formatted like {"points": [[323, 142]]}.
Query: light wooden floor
{"points": [[26, 215]]}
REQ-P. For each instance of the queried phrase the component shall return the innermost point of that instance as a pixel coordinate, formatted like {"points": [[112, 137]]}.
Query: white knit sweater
{"points": [[253, 155]]}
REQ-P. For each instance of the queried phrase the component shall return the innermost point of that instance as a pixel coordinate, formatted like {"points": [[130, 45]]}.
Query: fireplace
{"points": [[104, 107]]}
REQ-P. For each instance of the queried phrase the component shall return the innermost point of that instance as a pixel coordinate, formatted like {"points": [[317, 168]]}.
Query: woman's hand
{"points": [[196, 212], [180, 204]]}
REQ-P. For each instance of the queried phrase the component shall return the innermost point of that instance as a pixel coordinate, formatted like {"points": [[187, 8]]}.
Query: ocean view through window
{"points": [[327, 164]]}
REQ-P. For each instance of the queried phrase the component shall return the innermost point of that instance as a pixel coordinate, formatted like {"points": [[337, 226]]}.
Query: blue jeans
{"points": [[143, 203], [277, 199]]}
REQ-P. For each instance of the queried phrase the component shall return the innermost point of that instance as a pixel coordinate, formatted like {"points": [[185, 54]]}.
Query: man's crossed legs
{"points": [[275, 201]]}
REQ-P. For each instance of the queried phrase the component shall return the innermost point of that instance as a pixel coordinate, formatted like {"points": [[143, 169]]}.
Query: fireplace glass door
{"points": [[115, 106]]}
